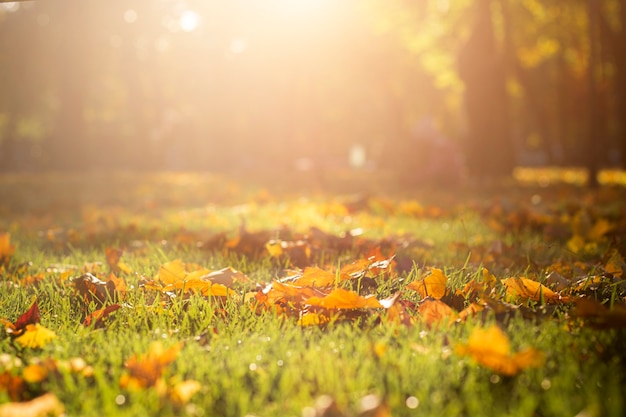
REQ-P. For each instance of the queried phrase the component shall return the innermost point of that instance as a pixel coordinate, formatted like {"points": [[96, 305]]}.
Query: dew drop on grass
{"points": [[412, 402], [120, 399], [280, 362], [252, 367]]}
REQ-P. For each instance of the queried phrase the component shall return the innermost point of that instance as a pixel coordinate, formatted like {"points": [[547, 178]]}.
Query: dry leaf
{"points": [[524, 288], [434, 285], [344, 299], [433, 312]]}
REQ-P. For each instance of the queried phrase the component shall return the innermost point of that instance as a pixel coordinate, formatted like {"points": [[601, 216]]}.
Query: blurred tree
{"points": [[488, 149]]}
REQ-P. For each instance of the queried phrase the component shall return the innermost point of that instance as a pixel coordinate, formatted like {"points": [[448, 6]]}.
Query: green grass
{"points": [[258, 364]]}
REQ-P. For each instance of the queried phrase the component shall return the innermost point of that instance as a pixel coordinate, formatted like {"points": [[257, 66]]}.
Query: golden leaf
{"points": [[35, 336], [171, 272], [434, 285], [146, 370], [344, 299], [315, 277], [525, 288], [491, 348], [433, 312]]}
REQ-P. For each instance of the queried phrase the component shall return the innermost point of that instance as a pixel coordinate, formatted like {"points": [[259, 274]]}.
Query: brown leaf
{"points": [[92, 289]]}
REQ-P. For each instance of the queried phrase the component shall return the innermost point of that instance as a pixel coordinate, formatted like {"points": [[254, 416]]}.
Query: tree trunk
{"points": [[592, 147], [488, 147]]}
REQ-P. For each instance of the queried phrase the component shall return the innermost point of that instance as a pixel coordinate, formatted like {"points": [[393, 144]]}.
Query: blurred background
{"points": [[425, 90]]}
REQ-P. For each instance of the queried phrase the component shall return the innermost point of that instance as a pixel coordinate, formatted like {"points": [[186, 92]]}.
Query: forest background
{"points": [[280, 85]]}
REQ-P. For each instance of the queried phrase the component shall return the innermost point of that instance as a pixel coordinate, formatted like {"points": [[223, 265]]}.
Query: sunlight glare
{"points": [[297, 8], [238, 45], [189, 20]]}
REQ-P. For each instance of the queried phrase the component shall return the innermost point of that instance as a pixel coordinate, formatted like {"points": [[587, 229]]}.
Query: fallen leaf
{"points": [[14, 385], [433, 312], [315, 277], [146, 370], [6, 249], [434, 285], [524, 288], [113, 257], [93, 289], [35, 336], [32, 316], [98, 317], [490, 347], [344, 299], [597, 315]]}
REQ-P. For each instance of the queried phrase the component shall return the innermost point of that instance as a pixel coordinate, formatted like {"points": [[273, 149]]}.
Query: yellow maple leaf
{"points": [[35, 336]]}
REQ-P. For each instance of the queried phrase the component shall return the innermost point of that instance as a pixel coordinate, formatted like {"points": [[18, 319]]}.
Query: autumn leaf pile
{"points": [[320, 280]]}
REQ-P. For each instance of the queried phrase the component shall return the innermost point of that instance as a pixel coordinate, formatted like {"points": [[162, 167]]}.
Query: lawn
{"points": [[198, 295]]}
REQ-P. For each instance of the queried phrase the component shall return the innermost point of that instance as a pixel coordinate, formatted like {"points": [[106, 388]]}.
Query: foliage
{"points": [[450, 306]]}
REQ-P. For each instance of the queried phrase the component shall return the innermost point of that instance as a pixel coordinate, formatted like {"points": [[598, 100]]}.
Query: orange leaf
{"points": [[517, 288], [344, 299], [6, 249], [171, 272], [98, 317], [491, 348], [14, 385], [146, 370], [113, 257], [434, 285], [315, 277], [433, 312], [277, 291]]}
